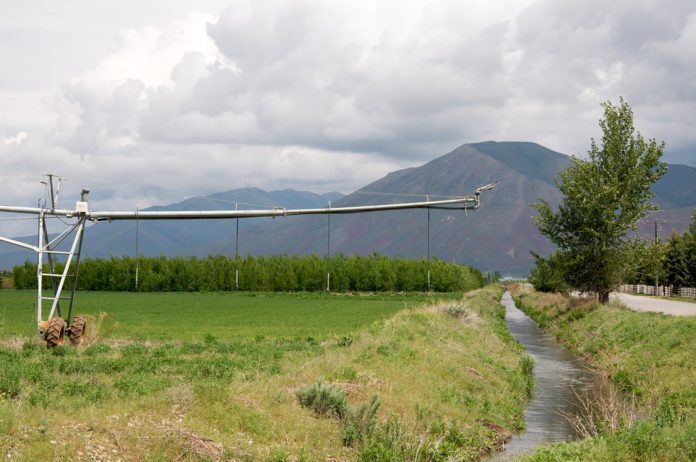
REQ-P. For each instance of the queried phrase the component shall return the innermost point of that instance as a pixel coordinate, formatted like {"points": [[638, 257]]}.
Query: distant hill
{"points": [[499, 236]]}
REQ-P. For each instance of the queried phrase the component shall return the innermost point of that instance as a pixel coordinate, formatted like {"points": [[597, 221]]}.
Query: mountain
{"points": [[498, 236]]}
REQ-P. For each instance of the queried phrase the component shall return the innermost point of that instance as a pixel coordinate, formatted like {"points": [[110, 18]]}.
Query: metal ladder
{"points": [[47, 251]]}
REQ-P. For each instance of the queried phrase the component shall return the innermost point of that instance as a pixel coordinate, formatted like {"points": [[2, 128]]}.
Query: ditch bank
{"points": [[651, 360], [563, 384]]}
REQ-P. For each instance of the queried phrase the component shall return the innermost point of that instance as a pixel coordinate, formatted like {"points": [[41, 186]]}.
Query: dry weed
{"points": [[191, 444], [94, 326], [17, 343], [604, 414]]}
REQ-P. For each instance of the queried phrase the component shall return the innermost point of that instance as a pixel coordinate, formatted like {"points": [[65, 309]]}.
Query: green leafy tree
{"points": [[690, 249], [603, 198], [677, 261], [547, 274], [652, 263]]}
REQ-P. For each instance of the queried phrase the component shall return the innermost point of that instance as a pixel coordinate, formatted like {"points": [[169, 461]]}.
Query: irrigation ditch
{"points": [[564, 384]]}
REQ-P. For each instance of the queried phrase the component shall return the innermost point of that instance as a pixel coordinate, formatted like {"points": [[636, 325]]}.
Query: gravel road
{"points": [[658, 305]]}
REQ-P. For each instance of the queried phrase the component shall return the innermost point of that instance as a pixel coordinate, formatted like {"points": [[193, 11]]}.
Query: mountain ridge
{"points": [[498, 236]]}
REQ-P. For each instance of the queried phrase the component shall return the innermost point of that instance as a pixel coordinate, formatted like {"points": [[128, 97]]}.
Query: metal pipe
{"points": [[53, 198], [137, 248], [328, 248], [77, 269], [39, 269], [67, 268], [428, 249], [465, 202], [236, 252], [19, 243]]}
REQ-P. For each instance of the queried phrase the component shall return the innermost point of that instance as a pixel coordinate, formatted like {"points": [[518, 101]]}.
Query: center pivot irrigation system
{"points": [[54, 327]]}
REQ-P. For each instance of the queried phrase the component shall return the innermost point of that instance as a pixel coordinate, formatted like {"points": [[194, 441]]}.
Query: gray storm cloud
{"points": [[332, 95]]}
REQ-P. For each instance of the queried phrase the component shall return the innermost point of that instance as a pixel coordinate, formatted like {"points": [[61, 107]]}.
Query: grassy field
{"points": [[652, 359], [192, 316], [414, 378]]}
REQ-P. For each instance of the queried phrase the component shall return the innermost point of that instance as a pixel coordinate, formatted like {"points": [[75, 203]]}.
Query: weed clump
{"points": [[359, 423], [526, 365], [325, 399], [456, 311]]}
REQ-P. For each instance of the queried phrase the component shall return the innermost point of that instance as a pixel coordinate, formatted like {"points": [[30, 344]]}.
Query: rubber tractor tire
{"points": [[55, 333], [78, 330]]}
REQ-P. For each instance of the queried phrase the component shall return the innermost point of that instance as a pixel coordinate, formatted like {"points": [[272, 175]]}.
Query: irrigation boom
{"points": [[464, 202], [54, 327]]}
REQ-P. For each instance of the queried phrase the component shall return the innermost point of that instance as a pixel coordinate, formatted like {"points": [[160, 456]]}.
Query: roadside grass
{"points": [[651, 357], [451, 385]]}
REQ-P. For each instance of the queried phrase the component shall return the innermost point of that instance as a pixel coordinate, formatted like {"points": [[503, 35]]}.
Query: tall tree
{"points": [[603, 198], [677, 260], [690, 250]]}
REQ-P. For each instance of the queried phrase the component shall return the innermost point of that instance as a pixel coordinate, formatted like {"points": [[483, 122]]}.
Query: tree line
{"points": [[670, 263], [286, 273]]}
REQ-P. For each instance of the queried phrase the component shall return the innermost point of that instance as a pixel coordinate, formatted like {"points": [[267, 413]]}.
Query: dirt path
{"points": [[658, 305]]}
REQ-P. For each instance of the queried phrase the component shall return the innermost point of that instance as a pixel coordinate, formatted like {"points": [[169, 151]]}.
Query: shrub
{"points": [[455, 310], [325, 399], [359, 423]]}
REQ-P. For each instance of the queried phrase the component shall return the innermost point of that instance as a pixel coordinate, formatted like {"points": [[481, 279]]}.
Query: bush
{"points": [[325, 399], [360, 422]]}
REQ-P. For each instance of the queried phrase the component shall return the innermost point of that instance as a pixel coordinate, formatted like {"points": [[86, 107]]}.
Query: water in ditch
{"points": [[560, 378]]}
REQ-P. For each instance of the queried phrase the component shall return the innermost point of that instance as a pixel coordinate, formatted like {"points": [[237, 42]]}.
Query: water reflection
{"points": [[559, 377]]}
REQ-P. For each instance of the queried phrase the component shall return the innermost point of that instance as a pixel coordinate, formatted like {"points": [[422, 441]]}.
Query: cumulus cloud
{"points": [[16, 139], [406, 80], [331, 95]]}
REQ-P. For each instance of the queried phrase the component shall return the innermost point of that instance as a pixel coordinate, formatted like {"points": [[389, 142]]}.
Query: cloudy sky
{"points": [[153, 101]]}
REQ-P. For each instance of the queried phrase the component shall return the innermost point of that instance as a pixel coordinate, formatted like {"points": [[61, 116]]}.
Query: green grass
{"points": [[651, 357], [192, 316], [450, 381]]}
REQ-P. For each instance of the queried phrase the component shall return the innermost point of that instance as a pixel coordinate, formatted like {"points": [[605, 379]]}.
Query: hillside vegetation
{"points": [[650, 357]]}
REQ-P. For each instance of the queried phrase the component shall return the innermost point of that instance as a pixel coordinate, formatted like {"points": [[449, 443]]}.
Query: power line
{"points": [[19, 219], [378, 193], [227, 201]]}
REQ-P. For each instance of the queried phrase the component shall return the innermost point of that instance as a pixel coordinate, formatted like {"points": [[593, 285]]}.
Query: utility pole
{"points": [[428, 199], [236, 252], [328, 247], [657, 241], [137, 249]]}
